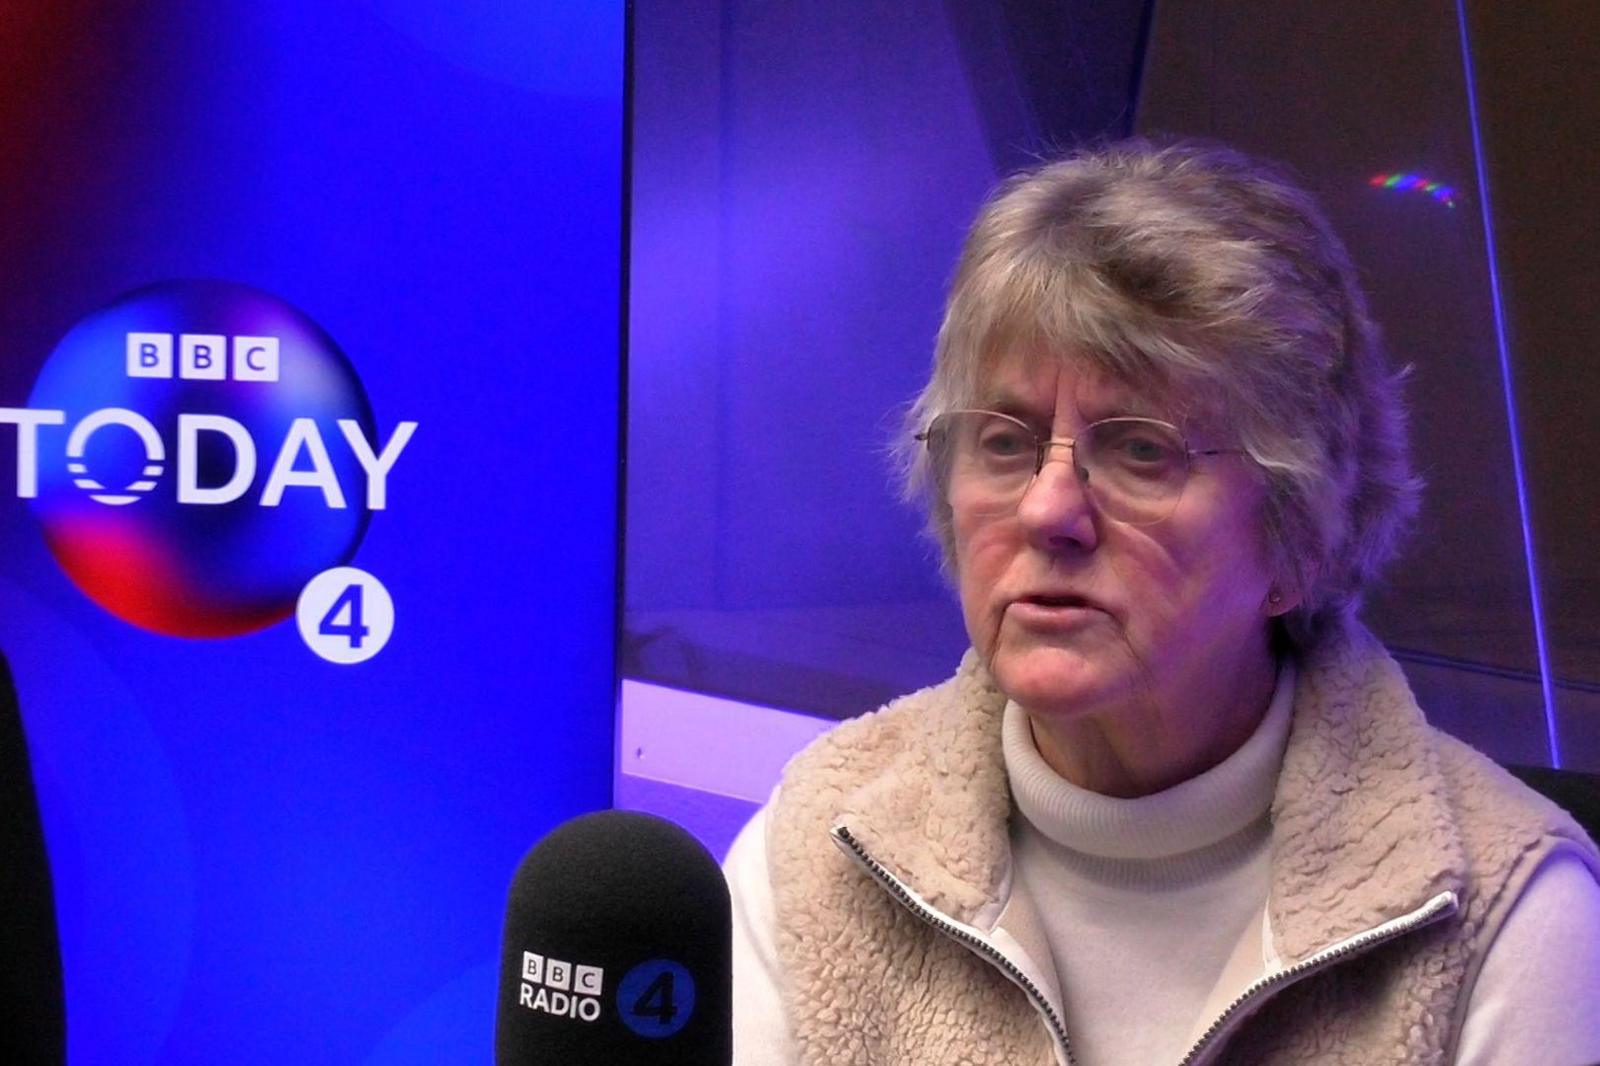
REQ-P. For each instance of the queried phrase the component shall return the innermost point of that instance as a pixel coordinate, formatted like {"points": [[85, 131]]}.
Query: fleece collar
{"points": [[937, 816], [1363, 828], [1360, 794]]}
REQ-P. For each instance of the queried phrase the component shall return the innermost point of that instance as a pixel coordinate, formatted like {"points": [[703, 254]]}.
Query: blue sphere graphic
{"points": [[200, 475]]}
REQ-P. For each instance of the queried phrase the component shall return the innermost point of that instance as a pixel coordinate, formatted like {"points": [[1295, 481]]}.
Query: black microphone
{"points": [[617, 949]]}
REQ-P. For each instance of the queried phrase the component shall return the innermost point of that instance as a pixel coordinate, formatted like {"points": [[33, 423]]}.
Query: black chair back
{"points": [[1578, 792]]}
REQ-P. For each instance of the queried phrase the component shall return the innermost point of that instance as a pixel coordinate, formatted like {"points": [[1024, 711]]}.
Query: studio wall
{"points": [[803, 176]]}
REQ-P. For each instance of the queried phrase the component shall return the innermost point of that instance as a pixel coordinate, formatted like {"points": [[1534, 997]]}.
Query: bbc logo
{"points": [[562, 976], [202, 357]]}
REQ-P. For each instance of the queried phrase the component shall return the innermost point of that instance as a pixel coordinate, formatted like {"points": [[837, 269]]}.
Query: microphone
{"points": [[617, 949]]}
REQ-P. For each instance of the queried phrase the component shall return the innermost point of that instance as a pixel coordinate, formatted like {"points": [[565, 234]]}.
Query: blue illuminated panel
{"points": [[261, 855]]}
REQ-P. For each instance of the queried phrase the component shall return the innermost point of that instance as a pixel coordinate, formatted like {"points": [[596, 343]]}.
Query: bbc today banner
{"points": [[308, 473]]}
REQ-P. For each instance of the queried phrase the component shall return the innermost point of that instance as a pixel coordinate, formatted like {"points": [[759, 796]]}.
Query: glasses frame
{"points": [[1042, 446]]}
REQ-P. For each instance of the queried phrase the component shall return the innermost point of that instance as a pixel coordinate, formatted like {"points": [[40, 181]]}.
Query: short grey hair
{"points": [[1194, 270]]}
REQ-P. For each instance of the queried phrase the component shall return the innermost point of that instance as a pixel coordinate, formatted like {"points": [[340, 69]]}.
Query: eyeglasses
{"points": [[1134, 469]]}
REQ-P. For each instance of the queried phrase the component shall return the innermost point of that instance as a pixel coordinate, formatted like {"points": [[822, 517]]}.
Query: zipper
{"points": [[909, 899], [1440, 906]]}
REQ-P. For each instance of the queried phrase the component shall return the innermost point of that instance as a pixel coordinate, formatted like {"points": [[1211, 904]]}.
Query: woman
{"points": [[1175, 805]]}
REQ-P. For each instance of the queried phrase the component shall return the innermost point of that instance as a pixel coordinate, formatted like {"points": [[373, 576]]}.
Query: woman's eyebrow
{"points": [[1094, 409], [1095, 401], [1009, 403], [1122, 402], [1125, 408]]}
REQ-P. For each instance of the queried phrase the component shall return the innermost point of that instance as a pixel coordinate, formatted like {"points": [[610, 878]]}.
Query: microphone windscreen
{"points": [[617, 949]]}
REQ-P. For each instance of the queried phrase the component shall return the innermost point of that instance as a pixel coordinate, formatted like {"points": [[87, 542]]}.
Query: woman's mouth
{"points": [[1053, 611]]}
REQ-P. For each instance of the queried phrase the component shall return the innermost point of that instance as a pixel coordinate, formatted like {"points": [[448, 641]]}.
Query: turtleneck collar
{"points": [[1193, 814]]}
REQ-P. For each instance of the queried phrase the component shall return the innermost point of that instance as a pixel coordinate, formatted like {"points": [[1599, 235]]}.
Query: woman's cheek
{"points": [[983, 630], [982, 556]]}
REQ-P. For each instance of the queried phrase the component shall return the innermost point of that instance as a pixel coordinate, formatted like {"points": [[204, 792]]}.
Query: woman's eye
{"points": [[1002, 442], [1145, 450], [1138, 450]]}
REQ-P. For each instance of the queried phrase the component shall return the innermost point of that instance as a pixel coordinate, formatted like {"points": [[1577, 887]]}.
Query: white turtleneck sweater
{"points": [[1143, 900]]}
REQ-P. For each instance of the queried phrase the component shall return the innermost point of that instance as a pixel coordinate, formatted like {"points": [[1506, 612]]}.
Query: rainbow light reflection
{"points": [[1445, 194]]}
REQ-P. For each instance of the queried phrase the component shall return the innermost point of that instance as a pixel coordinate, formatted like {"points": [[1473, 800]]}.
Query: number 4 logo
{"points": [[656, 998], [345, 615]]}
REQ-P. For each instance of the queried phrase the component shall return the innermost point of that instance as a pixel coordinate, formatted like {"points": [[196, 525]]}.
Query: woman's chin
{"points": [[1051, 682]]}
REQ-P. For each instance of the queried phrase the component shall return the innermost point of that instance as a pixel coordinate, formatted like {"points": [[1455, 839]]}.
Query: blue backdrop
{"points": [[260, 856]]}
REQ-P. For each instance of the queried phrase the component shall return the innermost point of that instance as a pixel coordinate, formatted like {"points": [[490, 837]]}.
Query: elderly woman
{"points": [[1175, 805]]}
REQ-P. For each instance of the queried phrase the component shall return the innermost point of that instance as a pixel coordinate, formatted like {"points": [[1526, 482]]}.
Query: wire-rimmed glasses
{"points": [[1134, 469]]}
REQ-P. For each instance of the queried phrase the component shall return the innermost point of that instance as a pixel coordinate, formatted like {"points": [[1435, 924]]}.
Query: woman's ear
{"points": [[1281, 599]]}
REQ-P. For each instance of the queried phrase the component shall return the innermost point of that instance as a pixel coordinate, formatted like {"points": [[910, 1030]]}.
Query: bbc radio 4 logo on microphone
{"points": [[655, 998], [554, 986], [204, 462]]}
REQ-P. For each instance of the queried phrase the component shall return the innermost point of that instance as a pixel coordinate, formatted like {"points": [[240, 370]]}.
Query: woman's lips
{"points": [[1053, 612]]}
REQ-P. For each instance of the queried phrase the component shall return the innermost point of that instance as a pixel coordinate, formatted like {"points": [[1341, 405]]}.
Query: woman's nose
{"points": [[1055, 509]]}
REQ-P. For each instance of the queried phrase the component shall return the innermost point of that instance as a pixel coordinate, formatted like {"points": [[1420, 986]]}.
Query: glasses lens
{"points": [[983, 459], [1134, 467]]}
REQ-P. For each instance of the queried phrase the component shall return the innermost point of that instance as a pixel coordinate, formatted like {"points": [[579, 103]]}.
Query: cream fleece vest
{"points": [[1375, 814]]}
